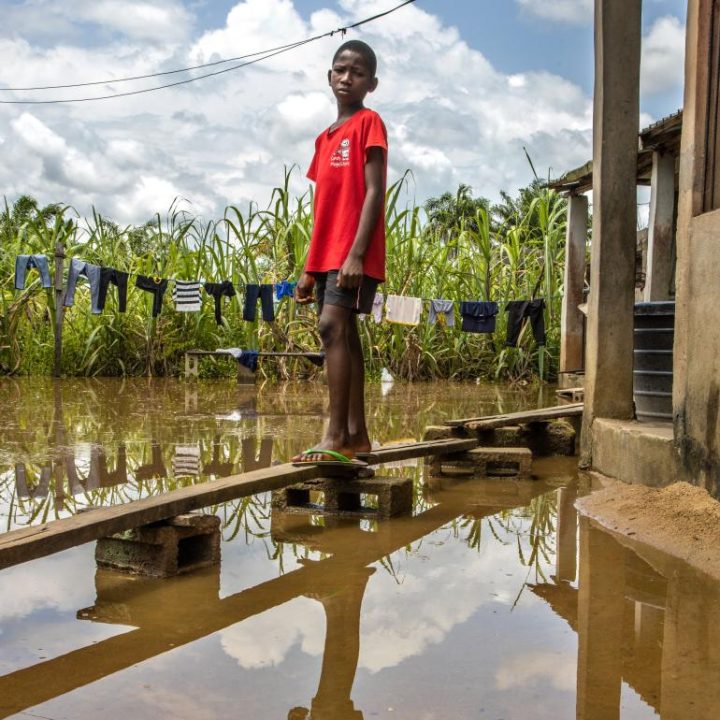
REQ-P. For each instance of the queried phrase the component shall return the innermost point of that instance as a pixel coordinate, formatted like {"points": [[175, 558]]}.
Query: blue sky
{"points": [[466, 85]]}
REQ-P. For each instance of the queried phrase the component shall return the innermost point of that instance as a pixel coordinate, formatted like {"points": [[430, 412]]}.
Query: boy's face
{"points": [[350, 78]]}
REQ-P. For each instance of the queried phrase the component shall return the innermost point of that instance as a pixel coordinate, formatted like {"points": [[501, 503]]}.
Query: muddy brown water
{"points": [[491, 601]]}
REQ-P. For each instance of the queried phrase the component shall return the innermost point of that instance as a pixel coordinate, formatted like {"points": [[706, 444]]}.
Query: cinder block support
{"points": [[571, 321], [375, 498], [609, 345], [178, 545], [661, 230], [191, 365], [512, 462]]}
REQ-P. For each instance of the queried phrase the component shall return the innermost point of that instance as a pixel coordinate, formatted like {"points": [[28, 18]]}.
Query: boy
{"points": [[346, 260]]}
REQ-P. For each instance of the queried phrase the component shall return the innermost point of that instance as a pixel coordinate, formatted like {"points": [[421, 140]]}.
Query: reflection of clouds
{"points": [[392, 631], [60, 583], [266, 639], [531, 668]]}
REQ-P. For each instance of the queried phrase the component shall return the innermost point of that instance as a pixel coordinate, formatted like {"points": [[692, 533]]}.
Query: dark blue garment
{"points": [[517, 311], [478, 317], [252, 293], [249, 358], [284, 289]]}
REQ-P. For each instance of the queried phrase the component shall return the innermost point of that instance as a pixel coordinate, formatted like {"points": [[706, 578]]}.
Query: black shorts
{"points": [[359, 299]]}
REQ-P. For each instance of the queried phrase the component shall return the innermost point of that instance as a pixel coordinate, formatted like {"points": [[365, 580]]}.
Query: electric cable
{"points": [[258, 57]]}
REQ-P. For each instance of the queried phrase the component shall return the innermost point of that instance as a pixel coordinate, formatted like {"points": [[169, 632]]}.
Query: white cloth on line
{"points": [[403, 310]]}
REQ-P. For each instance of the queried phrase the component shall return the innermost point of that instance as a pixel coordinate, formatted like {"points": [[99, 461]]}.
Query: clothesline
{"points": [[477, 316]]}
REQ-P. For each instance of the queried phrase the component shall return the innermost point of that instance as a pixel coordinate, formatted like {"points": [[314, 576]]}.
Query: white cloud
{"points": [[568, 11], [452, 117], [538, 668], [663, 56]]}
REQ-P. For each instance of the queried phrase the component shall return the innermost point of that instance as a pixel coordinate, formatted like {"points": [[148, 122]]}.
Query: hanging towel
{"points": [[442, 311], [284, 289], [478, 317], [186, 461], [403, 310], [377, 307], [186, 295]]}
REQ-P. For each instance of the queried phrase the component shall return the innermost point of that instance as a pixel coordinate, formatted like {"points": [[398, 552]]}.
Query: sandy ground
{"points": [[681, 520]]}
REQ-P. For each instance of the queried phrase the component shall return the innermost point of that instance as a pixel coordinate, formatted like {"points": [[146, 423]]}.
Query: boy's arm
{"points": [[351, 273]]}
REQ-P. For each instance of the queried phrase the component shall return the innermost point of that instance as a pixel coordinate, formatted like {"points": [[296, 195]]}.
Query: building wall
{"points": [[696, 392]]}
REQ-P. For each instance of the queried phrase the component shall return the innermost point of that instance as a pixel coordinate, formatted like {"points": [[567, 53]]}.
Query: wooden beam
{"points": [[29, 543], [489, 422]]}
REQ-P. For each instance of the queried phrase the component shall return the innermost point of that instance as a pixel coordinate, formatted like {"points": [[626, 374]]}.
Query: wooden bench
{"points": [[245, 374]]}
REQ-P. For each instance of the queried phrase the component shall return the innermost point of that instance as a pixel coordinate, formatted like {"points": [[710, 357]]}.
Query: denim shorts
{"points": [[359, 299]]}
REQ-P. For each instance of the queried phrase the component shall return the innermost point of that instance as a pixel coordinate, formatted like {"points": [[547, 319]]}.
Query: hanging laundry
{"points": [[23, 263], [517, 311], [80, 268], [377, 307], [186, 461], [186, 294], [478, 317], [442, 311], [25, 489], [155, 285], [284, 288], [217, 466], [265, 293], [218, 291], [120, 280], [403, 310], [99, 475], [248, 358]]}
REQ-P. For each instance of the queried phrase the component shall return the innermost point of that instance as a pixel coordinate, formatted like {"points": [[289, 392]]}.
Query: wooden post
{"points": [[609, 346], [571, 323], [661, 230], [59, 312]]}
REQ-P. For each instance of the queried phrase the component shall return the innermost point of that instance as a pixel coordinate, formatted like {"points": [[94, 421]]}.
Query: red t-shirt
{"points": [[338, 169]]}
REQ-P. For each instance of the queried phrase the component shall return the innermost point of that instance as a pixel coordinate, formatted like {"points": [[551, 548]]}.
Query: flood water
{"points": [[490, 601]]}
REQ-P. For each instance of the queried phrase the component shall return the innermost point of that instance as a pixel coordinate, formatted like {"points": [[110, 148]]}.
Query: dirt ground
{"points": [[681, 520]]}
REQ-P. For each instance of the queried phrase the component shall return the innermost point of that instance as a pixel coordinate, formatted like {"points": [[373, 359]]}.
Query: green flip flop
{"points": [[339, 460]]}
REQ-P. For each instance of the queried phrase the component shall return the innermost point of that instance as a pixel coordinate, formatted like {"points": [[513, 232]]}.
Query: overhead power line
{"points": [[257, 57]]}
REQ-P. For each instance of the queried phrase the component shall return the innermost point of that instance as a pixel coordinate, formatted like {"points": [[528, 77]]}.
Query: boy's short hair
{"points": [[361, 48]]}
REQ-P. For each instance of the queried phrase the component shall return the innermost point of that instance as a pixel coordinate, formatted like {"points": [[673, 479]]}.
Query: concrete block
{"points": [[178, 545], [376, 497], [485, 461], [443, 432]]}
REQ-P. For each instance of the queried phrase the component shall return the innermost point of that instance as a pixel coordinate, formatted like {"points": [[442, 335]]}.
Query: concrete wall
{"points": [[696, 391]]}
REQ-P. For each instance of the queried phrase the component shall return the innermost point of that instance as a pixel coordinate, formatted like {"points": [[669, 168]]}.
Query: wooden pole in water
{"points": [[59, 297]]}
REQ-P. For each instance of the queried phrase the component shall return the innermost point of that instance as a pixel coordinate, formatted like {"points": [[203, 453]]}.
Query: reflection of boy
{"points": [[346, 260]]}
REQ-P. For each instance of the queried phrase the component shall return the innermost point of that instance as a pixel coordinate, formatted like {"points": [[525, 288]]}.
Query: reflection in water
{"points": [[60, 439], [468, 609]]}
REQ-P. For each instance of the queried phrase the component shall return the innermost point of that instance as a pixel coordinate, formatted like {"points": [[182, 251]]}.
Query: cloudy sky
{"points": [[464, 86]]}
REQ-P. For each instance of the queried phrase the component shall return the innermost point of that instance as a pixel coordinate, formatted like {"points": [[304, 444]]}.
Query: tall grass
{"points": [[478, 258]]}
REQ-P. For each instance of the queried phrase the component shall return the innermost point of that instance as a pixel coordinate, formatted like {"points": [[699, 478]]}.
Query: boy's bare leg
{"points": [[357, 428], [333, 326]]}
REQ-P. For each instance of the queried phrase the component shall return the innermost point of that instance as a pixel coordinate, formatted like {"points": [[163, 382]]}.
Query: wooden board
{"points": [[490, 422], [18, 546]]}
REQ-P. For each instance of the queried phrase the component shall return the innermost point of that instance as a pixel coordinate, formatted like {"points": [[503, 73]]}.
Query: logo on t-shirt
{"points": [[341, 156]]}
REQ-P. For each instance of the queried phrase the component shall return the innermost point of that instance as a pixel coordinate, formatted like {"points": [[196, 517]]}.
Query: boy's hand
{"points": [[304, 289], [350, 274]]}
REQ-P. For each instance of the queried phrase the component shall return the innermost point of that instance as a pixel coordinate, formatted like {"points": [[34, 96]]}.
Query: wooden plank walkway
{"points": [[490, 422], [19, 546]]}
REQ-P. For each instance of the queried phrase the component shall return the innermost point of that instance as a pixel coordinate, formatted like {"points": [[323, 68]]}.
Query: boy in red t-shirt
{"points": [[346, 260]]}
